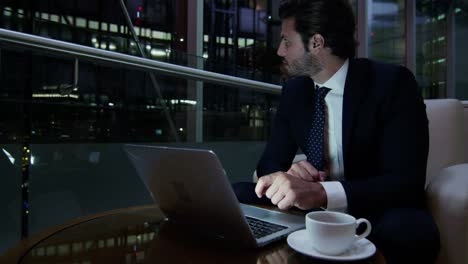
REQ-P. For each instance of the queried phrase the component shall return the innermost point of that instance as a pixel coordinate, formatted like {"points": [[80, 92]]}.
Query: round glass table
{"points": [[143, 235]]}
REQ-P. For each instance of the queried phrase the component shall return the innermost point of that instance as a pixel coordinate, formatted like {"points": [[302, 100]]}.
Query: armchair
{"points": [[447, 177]]}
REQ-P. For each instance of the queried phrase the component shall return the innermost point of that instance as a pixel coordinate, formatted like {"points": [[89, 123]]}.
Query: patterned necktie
{"points": [[315, 139]]}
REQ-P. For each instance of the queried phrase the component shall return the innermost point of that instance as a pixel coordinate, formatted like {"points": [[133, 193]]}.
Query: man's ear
{"points": [[316, 43]]}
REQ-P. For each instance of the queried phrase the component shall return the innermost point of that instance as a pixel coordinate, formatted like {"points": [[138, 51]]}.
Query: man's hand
{"points": [[287, 191], [304, 170]]}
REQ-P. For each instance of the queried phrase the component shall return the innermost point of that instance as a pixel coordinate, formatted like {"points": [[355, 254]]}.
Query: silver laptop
{"points": [[191, 187]]}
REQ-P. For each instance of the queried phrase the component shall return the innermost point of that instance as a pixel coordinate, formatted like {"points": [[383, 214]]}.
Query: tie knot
{"points": [[322, 91]]}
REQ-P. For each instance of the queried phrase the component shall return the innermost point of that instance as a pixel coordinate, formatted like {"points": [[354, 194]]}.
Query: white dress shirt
{"points": [[336, 195]]}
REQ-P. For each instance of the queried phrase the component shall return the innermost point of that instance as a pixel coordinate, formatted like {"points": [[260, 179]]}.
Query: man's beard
{"points": [[307, 65]]}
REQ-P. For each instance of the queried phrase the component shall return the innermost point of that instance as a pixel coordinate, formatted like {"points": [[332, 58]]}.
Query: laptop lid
{"points": [[191, 188]]}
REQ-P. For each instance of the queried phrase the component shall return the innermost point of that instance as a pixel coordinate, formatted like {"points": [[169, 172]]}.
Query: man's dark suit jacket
{"points": [[385, 135]]}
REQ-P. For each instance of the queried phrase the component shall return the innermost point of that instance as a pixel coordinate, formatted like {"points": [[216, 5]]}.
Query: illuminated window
{"points": [[431, 48], [51, 251], [93, 24], [77, 247], [461, 42]]}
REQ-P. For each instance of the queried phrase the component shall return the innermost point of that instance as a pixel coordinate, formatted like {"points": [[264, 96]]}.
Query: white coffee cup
{"points": [[332, 233]]}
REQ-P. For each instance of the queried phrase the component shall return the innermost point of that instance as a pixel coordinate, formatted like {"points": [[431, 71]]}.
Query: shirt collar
{"points": [[337, 82]]}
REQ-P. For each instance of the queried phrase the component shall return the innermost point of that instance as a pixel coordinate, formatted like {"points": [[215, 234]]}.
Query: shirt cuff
{"points": [[336, 196]]}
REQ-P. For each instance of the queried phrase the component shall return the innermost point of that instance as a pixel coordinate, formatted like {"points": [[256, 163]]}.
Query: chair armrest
{"points": [[447, 195]]}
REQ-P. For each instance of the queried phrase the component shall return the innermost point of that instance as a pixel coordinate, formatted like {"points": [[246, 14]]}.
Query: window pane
{"points": [[387, 31], [461, 42], [431, 47]]}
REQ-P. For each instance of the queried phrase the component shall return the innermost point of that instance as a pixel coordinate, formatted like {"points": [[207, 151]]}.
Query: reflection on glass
{"points": [[120, 105], [161, 37], [145, 237], [387, 30], [10, 192], [461, 42], [79, 252], [354, 5], [431, 47]]}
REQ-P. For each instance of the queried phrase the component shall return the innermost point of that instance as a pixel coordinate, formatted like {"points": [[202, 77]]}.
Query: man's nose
{"points": [[280, 52]]}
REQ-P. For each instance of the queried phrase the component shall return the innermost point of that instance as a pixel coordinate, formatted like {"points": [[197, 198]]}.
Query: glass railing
{"points": [[68, 109]]}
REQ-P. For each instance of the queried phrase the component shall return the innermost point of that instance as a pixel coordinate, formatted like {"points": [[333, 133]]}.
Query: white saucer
{"points": [[361, 249]]}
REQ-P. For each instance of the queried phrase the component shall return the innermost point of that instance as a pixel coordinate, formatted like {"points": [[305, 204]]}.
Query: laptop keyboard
{"points": [[262, 228]]}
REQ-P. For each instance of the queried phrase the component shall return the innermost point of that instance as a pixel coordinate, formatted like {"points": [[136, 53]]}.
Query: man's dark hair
{"points": [[333, 19]]}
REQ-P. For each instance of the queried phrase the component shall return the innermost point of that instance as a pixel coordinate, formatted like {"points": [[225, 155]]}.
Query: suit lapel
{"points": [[354, 92], [304, 109]]}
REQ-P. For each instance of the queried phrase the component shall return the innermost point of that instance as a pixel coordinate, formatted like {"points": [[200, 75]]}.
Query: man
{"points": [[362, 126]]}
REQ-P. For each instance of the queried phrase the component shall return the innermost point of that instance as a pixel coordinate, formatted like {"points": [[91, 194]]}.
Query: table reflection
{"points": [[145, 236]]}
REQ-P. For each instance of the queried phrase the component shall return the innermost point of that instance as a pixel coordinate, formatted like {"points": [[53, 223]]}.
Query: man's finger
{"points": [[287, 202], [305, 171], [262, 185], [310, 169], [322, 176], [277, 197], [295, 171], [274, 187]]}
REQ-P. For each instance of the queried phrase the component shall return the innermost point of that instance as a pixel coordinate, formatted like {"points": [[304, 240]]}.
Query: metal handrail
{"points": [[84, 52]]}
